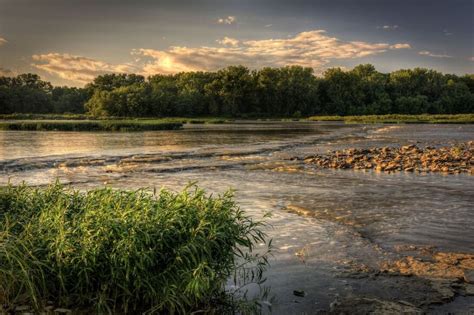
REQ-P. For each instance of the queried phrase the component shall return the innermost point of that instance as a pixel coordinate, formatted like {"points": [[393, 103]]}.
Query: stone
{"points": [[299, 293], [469, 276], [469, 289]]}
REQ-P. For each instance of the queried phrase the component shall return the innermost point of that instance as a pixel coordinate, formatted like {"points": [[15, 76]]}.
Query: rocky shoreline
{"points": [[409, 158]]}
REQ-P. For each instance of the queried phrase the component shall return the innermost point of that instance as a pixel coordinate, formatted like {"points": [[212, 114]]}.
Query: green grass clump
{"points": [[25, 116], [115, 251], [89, 125]]}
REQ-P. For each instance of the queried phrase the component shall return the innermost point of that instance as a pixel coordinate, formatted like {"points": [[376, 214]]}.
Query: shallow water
{"points": [[358, 217]]}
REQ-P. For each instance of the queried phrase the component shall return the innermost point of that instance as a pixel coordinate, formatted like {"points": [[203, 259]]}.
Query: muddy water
{"points": [[325, 223]]}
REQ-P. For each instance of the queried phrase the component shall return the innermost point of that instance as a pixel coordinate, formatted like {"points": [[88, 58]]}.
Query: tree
{"points": [[235, 89], [69, 99]]}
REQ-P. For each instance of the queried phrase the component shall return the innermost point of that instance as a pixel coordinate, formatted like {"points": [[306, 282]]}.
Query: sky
{"points": [[69, 42]]}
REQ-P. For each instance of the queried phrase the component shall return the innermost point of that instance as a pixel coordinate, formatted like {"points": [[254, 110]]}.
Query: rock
{"points": [[366, 305], [469, 276], [449, 160], [299, 293], [445, 289], [469, 289]]}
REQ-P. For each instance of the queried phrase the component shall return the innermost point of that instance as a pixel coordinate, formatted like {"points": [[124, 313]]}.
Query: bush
{"points": [[120, 251]]}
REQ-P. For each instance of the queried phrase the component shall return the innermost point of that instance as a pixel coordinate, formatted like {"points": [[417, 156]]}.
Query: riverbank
{"points": [[362, 119], [88, 125], [81, 117], [400, 119], [410, 158]]}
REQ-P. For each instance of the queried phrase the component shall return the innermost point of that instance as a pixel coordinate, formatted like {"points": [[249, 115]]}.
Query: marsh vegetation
{"points": [[117, 251]]}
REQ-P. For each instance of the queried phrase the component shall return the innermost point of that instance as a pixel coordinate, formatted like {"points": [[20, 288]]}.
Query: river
{"points": [[356, 218]]}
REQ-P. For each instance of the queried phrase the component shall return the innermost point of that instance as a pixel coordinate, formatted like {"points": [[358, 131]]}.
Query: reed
{"points": [[90, 125], [397, 119], [116, 251]]}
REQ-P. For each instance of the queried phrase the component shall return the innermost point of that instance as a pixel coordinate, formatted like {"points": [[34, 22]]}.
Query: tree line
{"points": [[236, 91]]}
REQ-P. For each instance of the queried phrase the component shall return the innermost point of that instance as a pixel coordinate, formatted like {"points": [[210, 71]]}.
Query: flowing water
{"points": [[356, 217]]}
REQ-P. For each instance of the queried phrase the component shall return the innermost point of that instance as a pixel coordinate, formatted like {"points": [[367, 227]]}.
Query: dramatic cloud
{"points": [[227, 20], [388, 27], [228, 41], [430, 54], [76, 68], [310, 49], [2, 41]]}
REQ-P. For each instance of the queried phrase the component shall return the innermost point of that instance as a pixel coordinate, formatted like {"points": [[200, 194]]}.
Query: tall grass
{"points": [[398, 118], [115, 251], [88, 125], [182, 120]]}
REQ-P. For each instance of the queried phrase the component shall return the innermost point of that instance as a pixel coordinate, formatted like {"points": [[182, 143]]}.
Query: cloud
{"points": [[430, 54], [388, 27], [447, 33], [471, 59], [227, 20], [2, 41], [269, 25], [228, 41], [312, 49], [4, 72], [77, 68], [400, 46]]}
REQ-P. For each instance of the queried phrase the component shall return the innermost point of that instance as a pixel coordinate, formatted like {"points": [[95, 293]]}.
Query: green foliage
{"points": [[236, 91], [88, 125], [121, 251], [27, 93]]}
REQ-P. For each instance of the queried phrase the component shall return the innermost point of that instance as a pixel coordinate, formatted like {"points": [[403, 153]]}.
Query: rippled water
{"points": [[357, 216]]}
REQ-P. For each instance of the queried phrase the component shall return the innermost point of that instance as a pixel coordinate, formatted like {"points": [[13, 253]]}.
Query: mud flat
{"points": [[410, 279], [410, 158]]}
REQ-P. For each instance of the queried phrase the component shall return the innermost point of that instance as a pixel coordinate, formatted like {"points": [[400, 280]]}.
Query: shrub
{"points": [[120, 251]]}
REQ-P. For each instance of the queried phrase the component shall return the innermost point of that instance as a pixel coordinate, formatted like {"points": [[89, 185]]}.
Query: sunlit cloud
{"points": [[400, 46], [227, 20], [312, 49], [269, 25], [2, 41], [77, 68], [471, 59], [228, 41], [430, 54]]}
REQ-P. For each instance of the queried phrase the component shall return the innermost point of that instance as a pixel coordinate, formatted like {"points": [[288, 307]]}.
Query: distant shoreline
{"points": [[79, 122]]}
